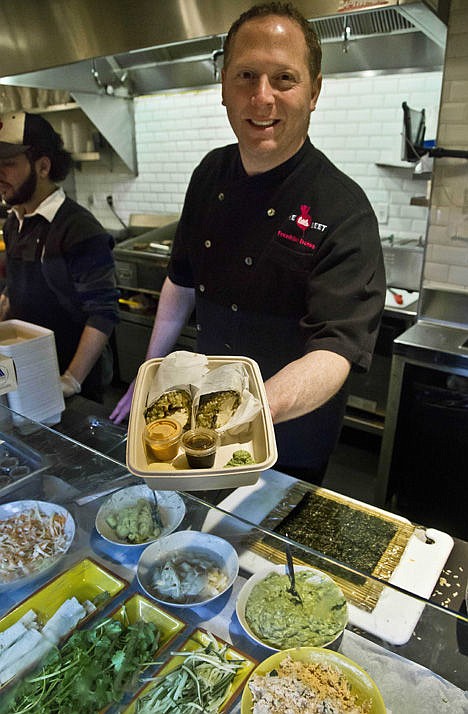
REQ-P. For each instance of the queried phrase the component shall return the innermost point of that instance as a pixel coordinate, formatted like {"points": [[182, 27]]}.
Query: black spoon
{"points": [[292, 578]]}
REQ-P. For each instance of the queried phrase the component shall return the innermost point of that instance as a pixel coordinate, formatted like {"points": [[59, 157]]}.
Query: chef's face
{"points": [[18, 180], [268, 91]]}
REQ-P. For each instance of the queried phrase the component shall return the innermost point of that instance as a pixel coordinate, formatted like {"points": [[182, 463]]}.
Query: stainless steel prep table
{"points": [[437, 648]]}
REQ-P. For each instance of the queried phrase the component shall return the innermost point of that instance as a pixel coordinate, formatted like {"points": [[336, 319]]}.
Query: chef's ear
{"points": [[316, 89], [222, 87], [43, 165]]}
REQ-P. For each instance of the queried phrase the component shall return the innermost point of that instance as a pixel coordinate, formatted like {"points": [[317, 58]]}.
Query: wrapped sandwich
{"points": [[220, 395], [171, 393], [174, 403]]}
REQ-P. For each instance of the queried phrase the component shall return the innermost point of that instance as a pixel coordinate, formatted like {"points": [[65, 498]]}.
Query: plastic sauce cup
{"points": [[200, 447], [162, 438]]}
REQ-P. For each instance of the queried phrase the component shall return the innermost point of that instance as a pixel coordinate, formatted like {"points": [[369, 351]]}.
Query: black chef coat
{"points": [[283, 263]]}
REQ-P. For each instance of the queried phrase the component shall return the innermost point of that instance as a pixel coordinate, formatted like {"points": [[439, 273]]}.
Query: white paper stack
{"points": [[32, 348]]}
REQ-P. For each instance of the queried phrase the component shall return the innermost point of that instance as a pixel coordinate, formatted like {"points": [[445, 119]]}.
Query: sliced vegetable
{"points": [[200, 683], [136, 523]]}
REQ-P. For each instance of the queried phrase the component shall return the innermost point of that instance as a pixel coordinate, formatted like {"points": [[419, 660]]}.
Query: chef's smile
{"points": [[268, 91]]}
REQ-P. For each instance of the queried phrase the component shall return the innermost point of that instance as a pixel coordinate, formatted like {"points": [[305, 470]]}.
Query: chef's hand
{"points": [[4, 306], [70, 385], [122, 409]]}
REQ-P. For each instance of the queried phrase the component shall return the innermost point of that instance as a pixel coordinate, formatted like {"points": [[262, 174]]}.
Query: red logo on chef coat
{"points": [[304, 221]]}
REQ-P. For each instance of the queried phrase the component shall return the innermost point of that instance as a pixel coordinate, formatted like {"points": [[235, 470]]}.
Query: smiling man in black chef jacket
{"points": [[277, 250]]}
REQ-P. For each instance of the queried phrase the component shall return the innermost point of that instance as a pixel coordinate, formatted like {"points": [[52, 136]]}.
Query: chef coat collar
{"points": [[47, 208], [278, 172]]}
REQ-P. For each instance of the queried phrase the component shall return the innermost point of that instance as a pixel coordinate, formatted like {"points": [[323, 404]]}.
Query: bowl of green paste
{"points": [[274, 618]]}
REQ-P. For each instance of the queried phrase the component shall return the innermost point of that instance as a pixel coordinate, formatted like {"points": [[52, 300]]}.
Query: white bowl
{"points": [[170, 505], [261, 575], [215, 549], [43, 564]]}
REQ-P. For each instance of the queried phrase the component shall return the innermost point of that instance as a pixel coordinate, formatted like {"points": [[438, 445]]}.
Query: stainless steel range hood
{"points": [[105, 53], [155, 44]]}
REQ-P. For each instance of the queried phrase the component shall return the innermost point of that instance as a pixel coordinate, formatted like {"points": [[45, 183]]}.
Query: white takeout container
{"points": [[258, 438]]}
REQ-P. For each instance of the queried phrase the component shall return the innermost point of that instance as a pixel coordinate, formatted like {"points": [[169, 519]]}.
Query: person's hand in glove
{"points": [[70, 385]]}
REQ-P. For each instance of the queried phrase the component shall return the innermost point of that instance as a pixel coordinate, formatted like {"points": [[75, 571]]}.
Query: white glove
{"points": [[70, 385]]}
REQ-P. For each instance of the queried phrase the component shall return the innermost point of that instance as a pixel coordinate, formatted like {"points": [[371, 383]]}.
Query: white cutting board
{"points": [[396, 615]]}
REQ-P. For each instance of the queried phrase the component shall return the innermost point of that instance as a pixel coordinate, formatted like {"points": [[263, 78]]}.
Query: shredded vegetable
{"points": [[200, 683], [188, 578], [27, 540], [297, 687]]}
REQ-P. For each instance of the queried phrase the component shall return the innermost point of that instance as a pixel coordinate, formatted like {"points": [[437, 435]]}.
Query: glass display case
{"points": [[414, 647]]}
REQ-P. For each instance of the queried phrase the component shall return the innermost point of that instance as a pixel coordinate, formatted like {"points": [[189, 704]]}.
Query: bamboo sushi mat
{"points": [[366, 592]]}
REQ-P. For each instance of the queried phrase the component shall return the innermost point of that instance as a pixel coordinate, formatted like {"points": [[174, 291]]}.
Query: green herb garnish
{"points": [[241, 457], [92, 670]]}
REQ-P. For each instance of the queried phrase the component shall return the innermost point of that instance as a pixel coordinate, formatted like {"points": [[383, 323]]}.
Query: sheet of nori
{"points": [[338, 530]]}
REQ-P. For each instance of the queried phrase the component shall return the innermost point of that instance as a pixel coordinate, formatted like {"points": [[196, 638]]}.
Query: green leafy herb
{"points": [[91, 670]]}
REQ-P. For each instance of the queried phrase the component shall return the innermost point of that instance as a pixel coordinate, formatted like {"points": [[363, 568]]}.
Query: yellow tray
{"points": [[85, 580], [138, 608], [197, 639]]}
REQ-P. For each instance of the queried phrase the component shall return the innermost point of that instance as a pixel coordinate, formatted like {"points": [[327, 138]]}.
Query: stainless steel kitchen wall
{"points": [[155, 44]]}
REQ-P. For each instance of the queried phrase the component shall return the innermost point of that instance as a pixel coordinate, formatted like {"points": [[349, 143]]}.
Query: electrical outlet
{"points": [[381, 211]]}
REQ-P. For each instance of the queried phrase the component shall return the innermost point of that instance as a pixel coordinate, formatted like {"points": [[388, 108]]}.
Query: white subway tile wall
{"points": [[358, 123], [446, 264]]}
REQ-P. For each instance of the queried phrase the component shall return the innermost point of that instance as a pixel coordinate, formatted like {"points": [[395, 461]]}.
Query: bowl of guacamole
{"points": [[272, 617]]}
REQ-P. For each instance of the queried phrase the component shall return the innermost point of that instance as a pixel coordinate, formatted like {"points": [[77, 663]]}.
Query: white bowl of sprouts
{"points": [[187, 568]]}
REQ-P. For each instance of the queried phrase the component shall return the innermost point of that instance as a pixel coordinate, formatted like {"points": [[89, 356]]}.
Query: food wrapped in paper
{"points": [[175, 403], [223, 401], [171, 393]]}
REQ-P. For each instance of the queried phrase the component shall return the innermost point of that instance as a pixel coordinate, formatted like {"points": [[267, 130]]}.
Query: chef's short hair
{"points": [[284, 9]]}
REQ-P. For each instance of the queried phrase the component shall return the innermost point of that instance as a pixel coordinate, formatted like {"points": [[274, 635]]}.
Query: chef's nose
{"points": [[263, 91]]}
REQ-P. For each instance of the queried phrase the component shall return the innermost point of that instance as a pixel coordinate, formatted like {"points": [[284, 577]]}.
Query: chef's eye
{"points": [[246, 74], [285, 80]]}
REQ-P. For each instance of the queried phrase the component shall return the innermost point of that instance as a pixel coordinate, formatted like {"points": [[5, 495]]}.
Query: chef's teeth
{"points": [[263, 123]]}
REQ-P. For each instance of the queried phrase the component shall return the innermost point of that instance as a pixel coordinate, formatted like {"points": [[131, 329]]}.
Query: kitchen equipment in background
{"points": [[19, 464], [423, 453], [414, 146], [79, 137], [403, 260], [367, 392], [141, 266]]}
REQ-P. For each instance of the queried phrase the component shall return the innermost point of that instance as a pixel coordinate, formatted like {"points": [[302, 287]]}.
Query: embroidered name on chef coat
{"points": [[304, 224]]}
